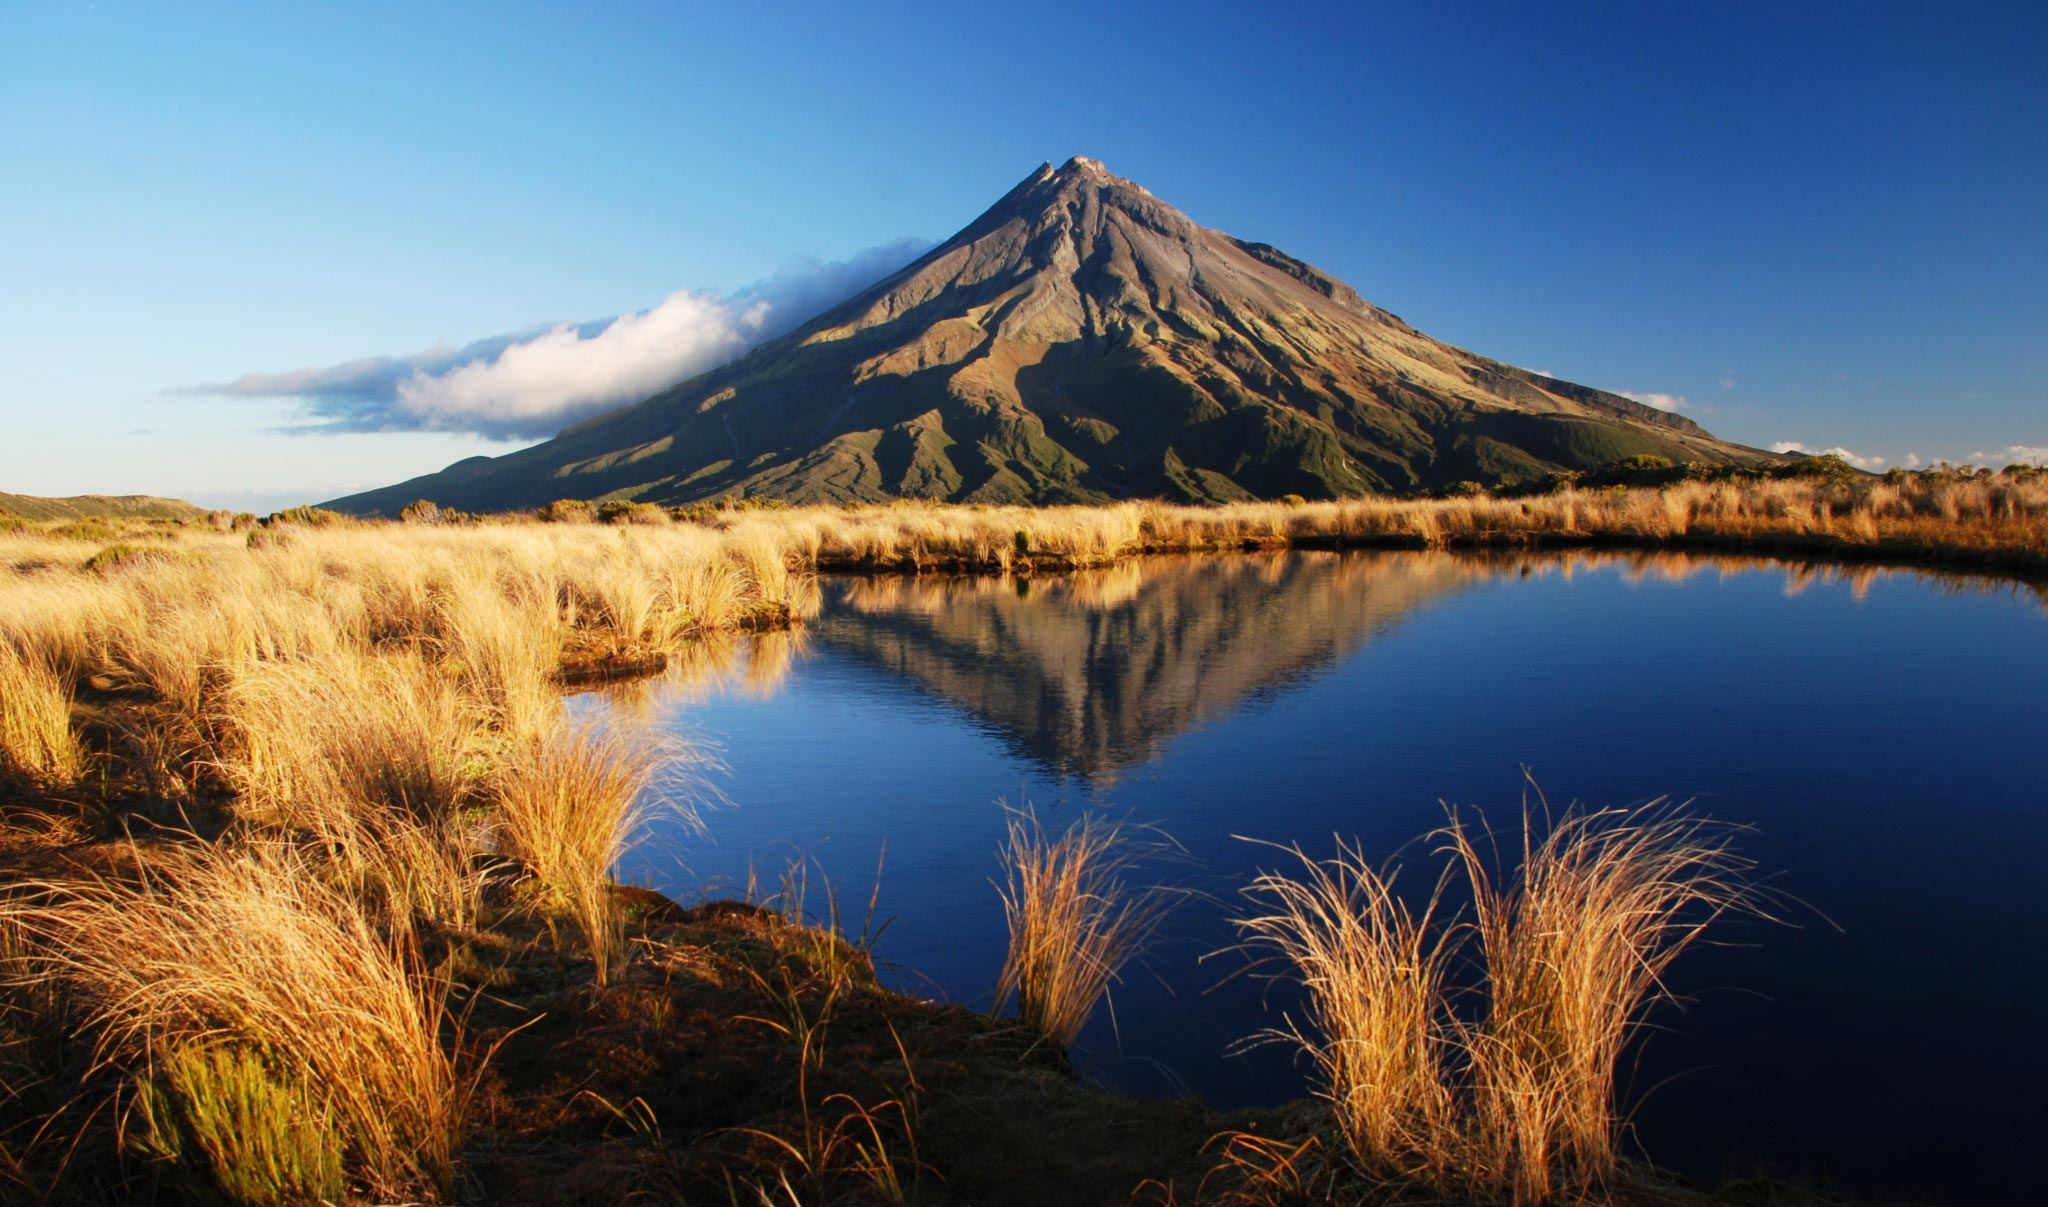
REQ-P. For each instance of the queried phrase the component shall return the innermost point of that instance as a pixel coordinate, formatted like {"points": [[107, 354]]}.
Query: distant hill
{"points": [[1083, 341], [141, 507]]}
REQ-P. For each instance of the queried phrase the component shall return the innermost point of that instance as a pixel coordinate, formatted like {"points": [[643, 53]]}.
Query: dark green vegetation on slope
{"points": [[1083, 342]]}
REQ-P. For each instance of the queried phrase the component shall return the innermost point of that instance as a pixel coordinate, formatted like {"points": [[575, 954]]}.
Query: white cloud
{"points": [[1793, 446], [561, 374], [2013, 454], [1912, 461], [534, 383], [1663, 402]]}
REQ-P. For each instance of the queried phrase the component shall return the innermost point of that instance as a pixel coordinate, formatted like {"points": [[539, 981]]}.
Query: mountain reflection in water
{"points": [[1878, 729], [1092, 673]]}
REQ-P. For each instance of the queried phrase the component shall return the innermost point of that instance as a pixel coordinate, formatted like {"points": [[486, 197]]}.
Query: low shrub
{"points": [[568, 511], [233, 1125], [92, 528], [127, 556], [304, 517]]}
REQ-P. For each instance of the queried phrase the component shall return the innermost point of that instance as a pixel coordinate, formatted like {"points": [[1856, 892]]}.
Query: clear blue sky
{"points": [[1824, 223]]}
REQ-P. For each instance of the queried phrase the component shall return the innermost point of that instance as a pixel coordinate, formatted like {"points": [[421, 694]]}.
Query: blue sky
{"points": [[1823, 223]]}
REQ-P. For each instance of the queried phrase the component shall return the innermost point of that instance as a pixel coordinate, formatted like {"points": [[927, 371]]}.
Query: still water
{"points": [[1885, 734]]}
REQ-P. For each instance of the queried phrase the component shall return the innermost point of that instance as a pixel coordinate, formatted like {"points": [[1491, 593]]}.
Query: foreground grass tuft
{"points": [[37, 745], [1575, 940], [1074, 920], [569, 805], [1514, 1101], [1375, 1032], [230, 978]]}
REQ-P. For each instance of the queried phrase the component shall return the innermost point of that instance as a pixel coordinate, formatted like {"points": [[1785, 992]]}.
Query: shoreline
{"points": [[357, 733]]}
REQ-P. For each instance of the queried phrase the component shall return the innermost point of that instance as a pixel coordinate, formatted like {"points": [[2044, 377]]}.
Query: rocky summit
{"points": [[1082, 341]]}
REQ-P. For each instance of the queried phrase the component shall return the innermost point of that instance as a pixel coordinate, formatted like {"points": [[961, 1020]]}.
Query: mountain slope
{"points": [[1082, 341]]}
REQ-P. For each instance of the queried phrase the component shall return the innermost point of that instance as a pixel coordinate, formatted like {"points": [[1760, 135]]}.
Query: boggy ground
{"points": [[737, 1055], [687, 1081]]}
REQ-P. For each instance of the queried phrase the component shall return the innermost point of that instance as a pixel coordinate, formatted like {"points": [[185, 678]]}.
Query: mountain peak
{"points": [[1082, 341]]}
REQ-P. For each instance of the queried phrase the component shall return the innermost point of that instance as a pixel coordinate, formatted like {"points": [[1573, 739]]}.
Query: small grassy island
{"points": [[306, 888]]}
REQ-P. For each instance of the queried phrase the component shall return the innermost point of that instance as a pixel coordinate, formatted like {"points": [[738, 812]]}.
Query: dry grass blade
{"points": [[250, 951], [37, 744], [1377, 1023], [1576, 939], [1074, 921], [572, 802]]}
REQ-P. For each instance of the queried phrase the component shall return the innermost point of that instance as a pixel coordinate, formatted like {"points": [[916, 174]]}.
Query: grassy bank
{"points": [[1996, 522], [231, 1021], [307, 888]]}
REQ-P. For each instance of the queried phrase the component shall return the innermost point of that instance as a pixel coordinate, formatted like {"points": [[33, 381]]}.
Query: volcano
{"points": [[1082, 341]]}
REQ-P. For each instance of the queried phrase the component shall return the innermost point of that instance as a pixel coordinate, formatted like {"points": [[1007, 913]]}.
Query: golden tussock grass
{"points": [[569, 804], [1074, 919], [1513, 1099], [373, 760], [377, 715], [37, 745], [1376, 973], [251, 953], [1995, 520], [499, 609], [1575, 941]]}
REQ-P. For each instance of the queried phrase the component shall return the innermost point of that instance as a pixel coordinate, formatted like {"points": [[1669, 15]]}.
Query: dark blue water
{"points": [[1885, 733]]}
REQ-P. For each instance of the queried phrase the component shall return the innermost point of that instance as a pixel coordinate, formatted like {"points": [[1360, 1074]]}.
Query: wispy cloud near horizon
{"points": [[530, 384], [2014, 454]]}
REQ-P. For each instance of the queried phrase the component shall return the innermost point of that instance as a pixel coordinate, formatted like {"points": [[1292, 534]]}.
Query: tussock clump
{"points": [[37, 745], [1376, 1027], [1514, 1099], [234, 979], [349, 734], [1074, 919], [375, 762], [570, 804], [1575, 939], [505, 645]]}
